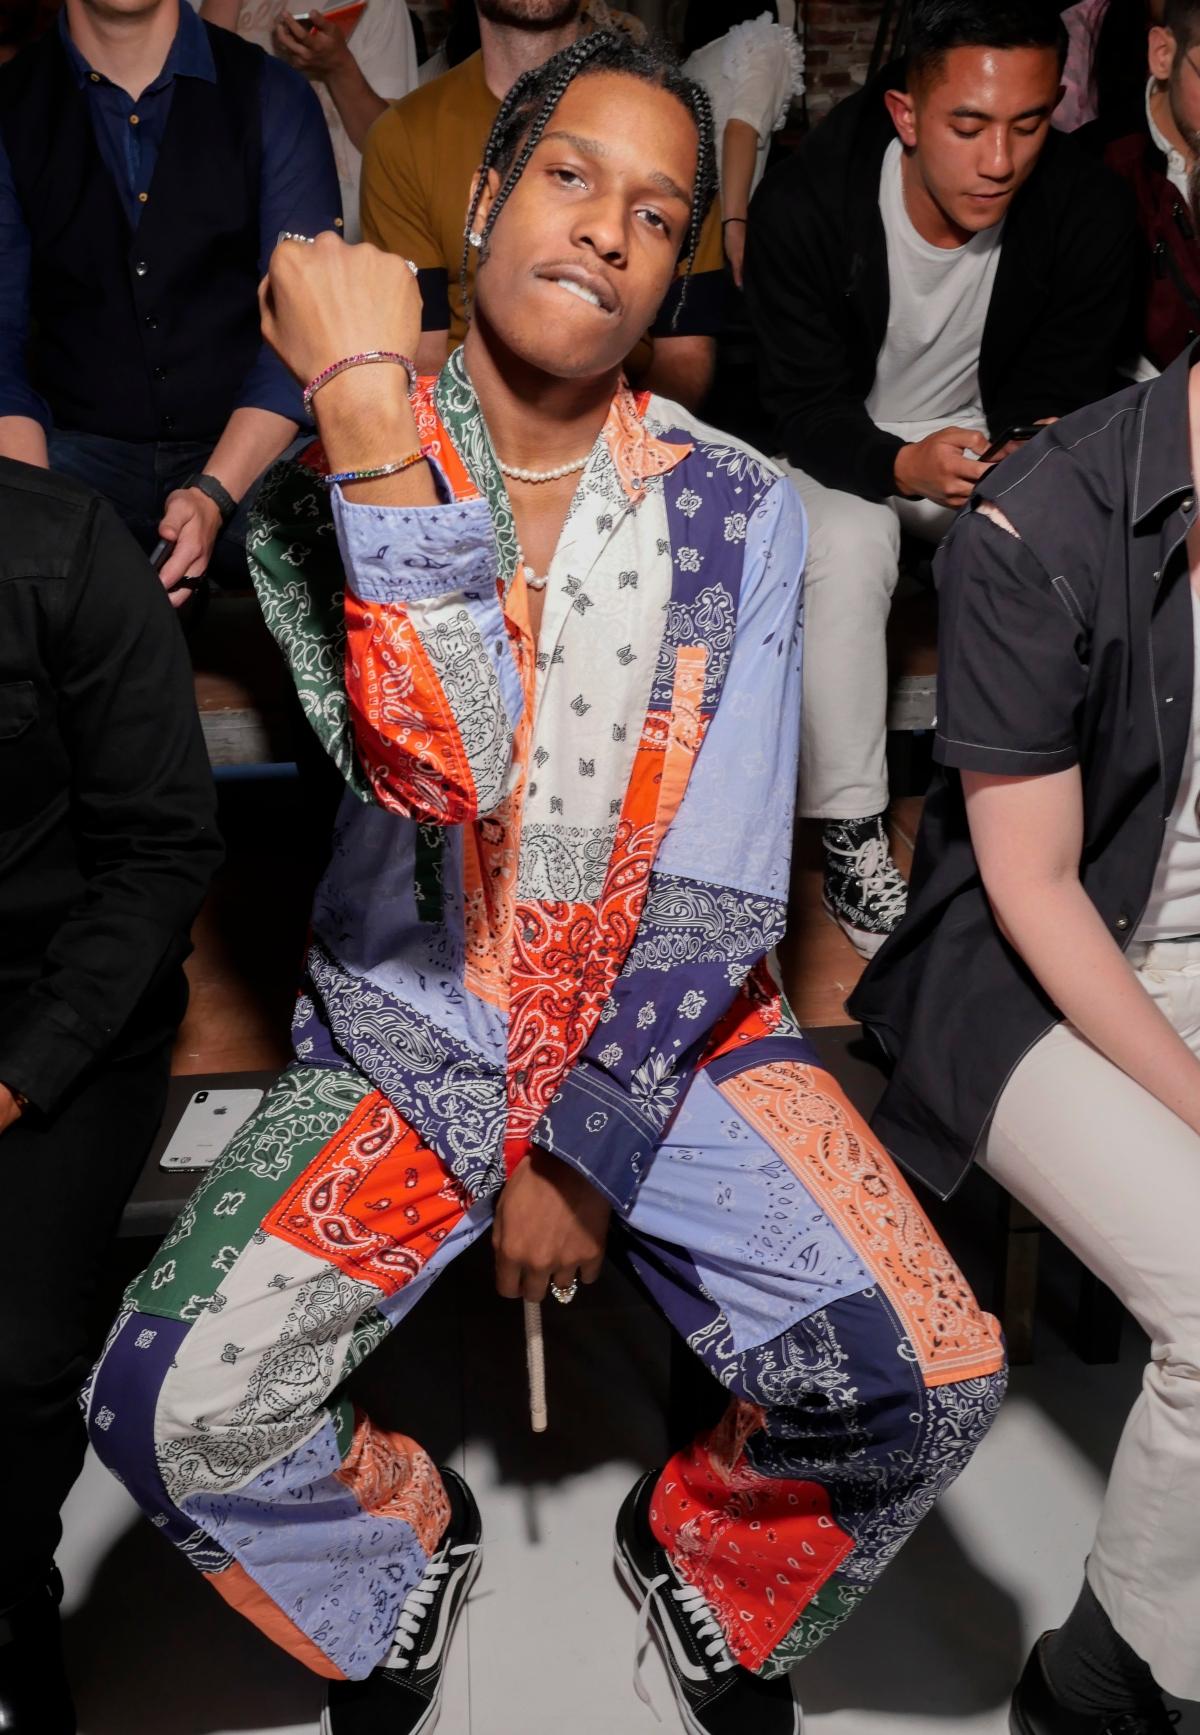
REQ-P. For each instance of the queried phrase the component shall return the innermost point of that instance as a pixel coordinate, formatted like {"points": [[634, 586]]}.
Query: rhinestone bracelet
{"points": [[344, 476], [349, 361]]}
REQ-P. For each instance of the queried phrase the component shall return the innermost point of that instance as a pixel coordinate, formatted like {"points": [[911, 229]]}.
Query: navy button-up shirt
{"points": [[299, 191], [1067, 644]]}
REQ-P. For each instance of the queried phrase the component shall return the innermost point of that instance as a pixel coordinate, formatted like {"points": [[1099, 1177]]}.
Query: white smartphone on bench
{"points": [[206, 1126]]}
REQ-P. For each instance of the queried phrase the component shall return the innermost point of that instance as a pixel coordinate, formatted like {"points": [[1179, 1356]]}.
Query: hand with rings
{"points": [[323, 300], [550, 1230]]}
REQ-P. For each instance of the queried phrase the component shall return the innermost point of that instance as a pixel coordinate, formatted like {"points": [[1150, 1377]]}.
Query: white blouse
{"points": [[751, 74]]}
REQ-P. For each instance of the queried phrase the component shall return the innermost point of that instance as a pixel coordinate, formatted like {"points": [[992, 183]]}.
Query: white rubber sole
{"points": [[866, 945], [429, 1721], [636, 1587]]}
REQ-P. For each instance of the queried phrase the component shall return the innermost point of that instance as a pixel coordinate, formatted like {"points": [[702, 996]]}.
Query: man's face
{"points": [[976, 127], [586, 245], [530, 14]]}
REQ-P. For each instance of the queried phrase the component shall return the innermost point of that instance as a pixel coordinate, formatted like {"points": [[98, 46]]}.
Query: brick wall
{"points": [[841, 34]]}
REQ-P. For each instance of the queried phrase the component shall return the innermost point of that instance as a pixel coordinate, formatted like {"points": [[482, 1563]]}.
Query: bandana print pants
{"points": [[771, 1230]]}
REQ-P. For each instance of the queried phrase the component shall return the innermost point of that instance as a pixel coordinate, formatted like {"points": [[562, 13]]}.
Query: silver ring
{"points": [[289, 235], [565, 1295]]}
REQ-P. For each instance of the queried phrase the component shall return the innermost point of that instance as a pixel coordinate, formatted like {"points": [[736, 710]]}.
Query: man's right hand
{"points": [[324, 302], [934, 468]]}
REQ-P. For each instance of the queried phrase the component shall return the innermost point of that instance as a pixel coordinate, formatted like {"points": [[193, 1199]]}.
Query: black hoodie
{"points": [[818, 296]]}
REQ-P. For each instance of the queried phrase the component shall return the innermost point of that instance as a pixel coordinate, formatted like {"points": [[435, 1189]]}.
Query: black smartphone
{"points": [[1022, 431]]}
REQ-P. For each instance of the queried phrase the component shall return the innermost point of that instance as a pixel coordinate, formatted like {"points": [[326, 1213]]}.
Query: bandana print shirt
{"points": [[559, 869]]}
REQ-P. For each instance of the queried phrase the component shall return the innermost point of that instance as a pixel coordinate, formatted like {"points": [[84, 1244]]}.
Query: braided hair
{"points": [[526, 111]]}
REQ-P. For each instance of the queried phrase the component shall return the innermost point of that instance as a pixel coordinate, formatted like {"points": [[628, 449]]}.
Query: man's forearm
{"points": [[739, 153], [357, 103], [1063, 939], [24, 440], [252, 440]]}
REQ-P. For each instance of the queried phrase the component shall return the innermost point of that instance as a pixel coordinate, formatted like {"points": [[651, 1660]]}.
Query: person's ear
{"points": [[1161, 52], [903, 110], [491, 186]]}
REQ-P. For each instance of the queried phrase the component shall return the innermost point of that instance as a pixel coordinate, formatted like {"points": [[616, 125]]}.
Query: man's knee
{"points": [[853, 544]]}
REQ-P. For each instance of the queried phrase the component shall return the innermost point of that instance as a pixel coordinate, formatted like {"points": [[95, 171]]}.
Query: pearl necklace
{"points": [[517, 474]]}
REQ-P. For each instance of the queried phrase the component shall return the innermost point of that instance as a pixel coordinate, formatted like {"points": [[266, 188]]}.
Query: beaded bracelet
{"points": [[405, 463], [349, 361]]}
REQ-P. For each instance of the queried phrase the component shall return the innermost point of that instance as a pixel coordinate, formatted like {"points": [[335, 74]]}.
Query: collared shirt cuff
{"points": [[41, 1056], [19, 399], [415, 553], [597, 1128]]}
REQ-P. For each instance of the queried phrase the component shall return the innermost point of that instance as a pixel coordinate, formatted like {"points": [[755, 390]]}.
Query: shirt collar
{"points": [[1164, 454], [190, 55]]}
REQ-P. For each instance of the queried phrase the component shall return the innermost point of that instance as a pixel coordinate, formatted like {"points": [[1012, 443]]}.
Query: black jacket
{"points": [[107, 819], [817, 293]]}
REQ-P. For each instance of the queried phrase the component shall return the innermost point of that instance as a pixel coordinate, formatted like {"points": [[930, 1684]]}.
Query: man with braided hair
{"points": [[549, 631]]}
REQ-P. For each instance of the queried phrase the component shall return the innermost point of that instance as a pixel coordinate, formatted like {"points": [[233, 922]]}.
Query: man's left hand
{"points": [[317, 49], [551, 1226], [192, 522]]}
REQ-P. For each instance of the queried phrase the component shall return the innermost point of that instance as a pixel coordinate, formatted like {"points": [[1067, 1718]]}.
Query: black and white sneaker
{"points": [[865, 892], [404, 1694], [715, 1695]]}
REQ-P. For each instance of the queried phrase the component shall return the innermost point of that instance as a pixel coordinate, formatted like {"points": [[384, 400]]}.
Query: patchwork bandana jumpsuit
{"points": [[557, 874]]}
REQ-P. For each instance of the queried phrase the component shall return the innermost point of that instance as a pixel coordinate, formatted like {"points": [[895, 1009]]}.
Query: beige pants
{"points": [[849, 576], [1117, 1177]]}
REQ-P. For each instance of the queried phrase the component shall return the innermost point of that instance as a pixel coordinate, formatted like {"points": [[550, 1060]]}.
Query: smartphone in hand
{"points": [[1020, 431]]}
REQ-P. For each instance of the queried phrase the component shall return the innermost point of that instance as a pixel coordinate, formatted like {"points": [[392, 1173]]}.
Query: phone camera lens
{"points": [[200, 1096]]}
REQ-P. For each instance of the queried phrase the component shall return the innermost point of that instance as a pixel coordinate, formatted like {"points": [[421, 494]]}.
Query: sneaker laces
{"points": [[882, 882], [692, 1603], [419, 1601]]}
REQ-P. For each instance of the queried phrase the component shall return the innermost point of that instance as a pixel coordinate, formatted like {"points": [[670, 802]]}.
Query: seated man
{"points": [[417, 172], [1158, 160], [107, 841], [933, 269], [537, 1002], [1042, 998], [147, 165]]}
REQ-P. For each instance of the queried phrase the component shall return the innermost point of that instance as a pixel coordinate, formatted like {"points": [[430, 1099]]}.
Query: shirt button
{"points": [[168, 422], [95, 77], [142, 197], [141, 268], [1121, 923], [133, 120], [530, 935], [151, 322], [159, 373]]}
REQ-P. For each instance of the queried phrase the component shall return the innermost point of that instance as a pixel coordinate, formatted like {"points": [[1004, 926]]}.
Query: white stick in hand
{"points": [[535, 1363]]}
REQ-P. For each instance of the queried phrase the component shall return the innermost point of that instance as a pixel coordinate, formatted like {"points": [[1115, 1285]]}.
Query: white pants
{"points": [[1117, 1177], [851, 571]]}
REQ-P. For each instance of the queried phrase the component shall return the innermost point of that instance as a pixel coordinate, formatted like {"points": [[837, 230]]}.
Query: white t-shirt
{"points": [[927, 375], [381, 42], [1173, 912], [751, 74]]}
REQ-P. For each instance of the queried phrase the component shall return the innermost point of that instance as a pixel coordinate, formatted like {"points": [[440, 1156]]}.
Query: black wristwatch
{"points": [[220, 496]]}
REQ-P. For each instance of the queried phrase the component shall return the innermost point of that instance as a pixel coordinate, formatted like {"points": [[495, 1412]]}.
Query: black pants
{"points": [[64, 1182]]}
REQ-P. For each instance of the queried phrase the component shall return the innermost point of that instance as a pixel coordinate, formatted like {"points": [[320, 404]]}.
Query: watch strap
{"points": [[220, 496]]}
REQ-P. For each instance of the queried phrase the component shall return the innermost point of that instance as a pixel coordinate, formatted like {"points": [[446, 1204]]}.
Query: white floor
{"points": [[546, 1644]]}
